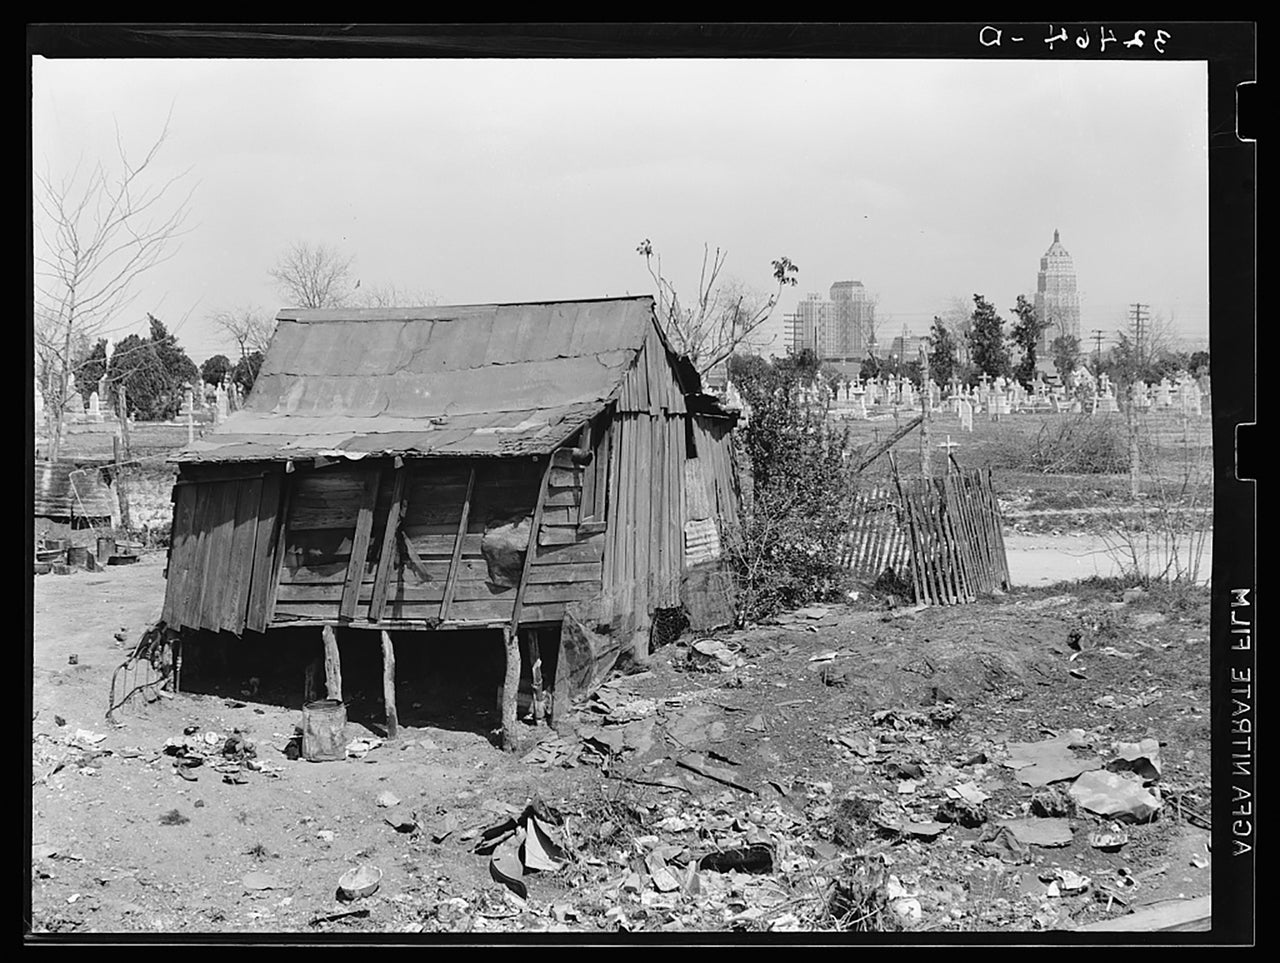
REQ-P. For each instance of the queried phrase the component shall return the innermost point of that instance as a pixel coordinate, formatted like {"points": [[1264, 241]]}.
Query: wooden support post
{"points": [[389, 685], [510, 685], [560, 702], [535, 664], [511, 631], [177, 664], [332, 665]]}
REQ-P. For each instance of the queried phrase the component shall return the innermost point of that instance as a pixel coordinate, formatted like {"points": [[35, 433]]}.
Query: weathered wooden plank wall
{"points": [[222, 549], [322, 529]]}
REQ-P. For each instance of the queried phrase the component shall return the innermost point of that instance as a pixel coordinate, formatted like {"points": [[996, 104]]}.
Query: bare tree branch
{"points": [[313, 276], [250, 327], [96, 238], [724, 316], [392, 296]]}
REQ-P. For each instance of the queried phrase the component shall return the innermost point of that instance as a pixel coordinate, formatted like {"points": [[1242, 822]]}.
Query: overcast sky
{"points": [[521, 180]]}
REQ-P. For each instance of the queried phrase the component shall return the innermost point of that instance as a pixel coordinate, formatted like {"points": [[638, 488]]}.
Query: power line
{"points": [[1138, 319]]}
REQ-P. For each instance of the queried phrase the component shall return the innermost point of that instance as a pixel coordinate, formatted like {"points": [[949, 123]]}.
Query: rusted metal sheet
{"points": [[471, 380], [66, 489]]}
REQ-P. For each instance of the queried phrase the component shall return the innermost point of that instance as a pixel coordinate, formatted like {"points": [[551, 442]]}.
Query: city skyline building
{"points": [[1057, 299], [839, 327]]}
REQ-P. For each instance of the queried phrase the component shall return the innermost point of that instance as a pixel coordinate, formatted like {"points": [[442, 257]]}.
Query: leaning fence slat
{"points": [[981, 549], [960, 544], [964, 559], [940, 550], [1002, 557], [922, 596], [933, 550]]}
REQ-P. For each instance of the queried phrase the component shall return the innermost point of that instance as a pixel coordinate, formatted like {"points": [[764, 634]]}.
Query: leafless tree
{"points": [[723, 315], [392, 296], [314, 276], [96, 235], [249, 326], [871, 324], [957, 316]]}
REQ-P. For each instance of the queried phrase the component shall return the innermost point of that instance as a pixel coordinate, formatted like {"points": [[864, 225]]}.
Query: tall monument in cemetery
{"points": [[1056, 297]]}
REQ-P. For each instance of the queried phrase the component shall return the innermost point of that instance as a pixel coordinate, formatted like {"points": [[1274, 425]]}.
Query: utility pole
{"points": [[926, 467], [1097, 351], [1138, 316]]}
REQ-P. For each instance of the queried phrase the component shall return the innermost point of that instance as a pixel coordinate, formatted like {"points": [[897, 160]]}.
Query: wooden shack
{"points": [[514, 467]]}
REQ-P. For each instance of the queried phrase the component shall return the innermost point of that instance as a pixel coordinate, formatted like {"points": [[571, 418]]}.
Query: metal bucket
{"points": [[78, 556], [324, 730], [106, 547]]}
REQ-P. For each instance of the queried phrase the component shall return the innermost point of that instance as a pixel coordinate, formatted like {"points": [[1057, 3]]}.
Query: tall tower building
{"points": [[1056, 297], [851, 314], [836, 328]]}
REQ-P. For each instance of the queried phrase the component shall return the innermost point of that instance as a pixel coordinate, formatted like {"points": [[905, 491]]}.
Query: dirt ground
{"points": [[790, 777]]}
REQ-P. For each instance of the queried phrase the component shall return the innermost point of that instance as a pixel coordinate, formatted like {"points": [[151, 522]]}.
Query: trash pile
{"points": [[232, 755], [51, 754]]}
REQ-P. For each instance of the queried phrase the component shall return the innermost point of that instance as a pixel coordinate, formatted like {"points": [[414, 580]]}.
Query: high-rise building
{"points": [[1056, 297], [837, 328]]}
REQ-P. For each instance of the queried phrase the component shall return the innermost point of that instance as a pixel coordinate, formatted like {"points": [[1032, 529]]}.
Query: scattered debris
{"points": [[1109, 841], [1040, 832], [174, 818], [359, 882], [968, 814], [757, 858], [1052, 802], [257, 880], [361, 746], [335, 917], [720, 774], [1142, 758], [714, 653], [1065, 882], [387, 799], [1000, 842], [1115, 796], [1040, 763], [400, 819]]}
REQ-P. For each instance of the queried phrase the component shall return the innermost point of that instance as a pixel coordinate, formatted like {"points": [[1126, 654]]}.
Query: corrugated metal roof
{"points": [[470, 380]]}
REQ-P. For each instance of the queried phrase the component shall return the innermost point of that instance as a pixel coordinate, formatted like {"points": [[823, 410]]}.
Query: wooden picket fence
{"points": [[942, 534], [877, 538]]}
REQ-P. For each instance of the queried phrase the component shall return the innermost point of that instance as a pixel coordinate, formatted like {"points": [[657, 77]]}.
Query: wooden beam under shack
{"points": [[395, 511], [389, 686], [332, 665], [451, 580], [360, 545], [512, 639]]}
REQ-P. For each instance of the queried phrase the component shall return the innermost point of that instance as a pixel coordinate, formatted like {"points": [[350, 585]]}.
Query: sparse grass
{"points": [[1072, 445], [257, 851], [859, 900]]}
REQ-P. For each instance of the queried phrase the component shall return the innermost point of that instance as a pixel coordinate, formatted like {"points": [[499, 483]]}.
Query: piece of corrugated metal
{"points": [[67, 490], [335, 379]]}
